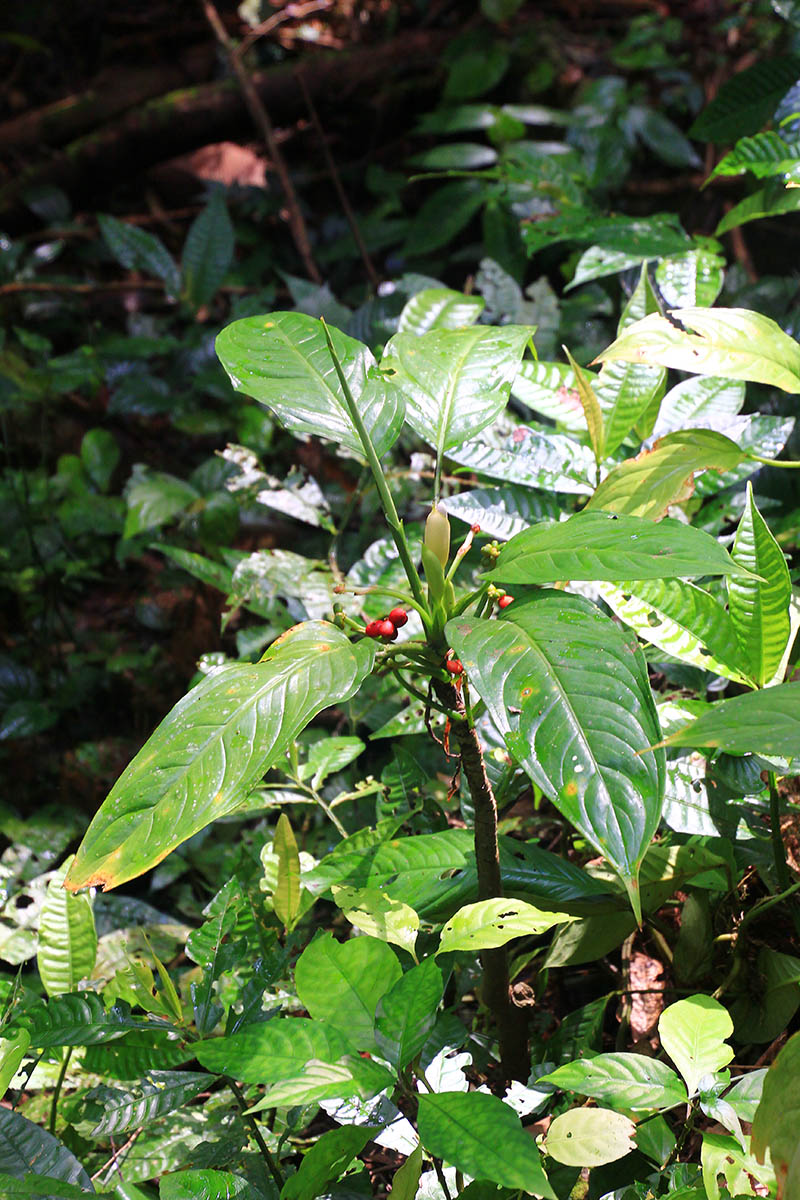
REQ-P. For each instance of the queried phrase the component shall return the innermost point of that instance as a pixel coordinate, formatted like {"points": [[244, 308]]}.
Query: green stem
{"points": [[419, 695], [778, 848], [787, 464], [272, 1166], [56, 1094], [387, 502]]}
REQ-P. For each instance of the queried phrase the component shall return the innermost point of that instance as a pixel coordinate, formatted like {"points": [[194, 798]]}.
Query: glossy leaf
{"points": [[154, 498], [349, 1078], [764, 154], [206, 1185], [746, 101], [533, 457], [67, 937], [342, 982], [647, 485], [12, 1051], [561, 714], [693, 278], [589, 1137], [81, 1019], [724, 1158], [763, 722], [405, 1180], [407, 1013], [377, 914], [693, 1033], [326, 1161], [481, 1136], [682, 619], [114, 1110], [550, 389], [759, 607], [592, 412], [769, 201], [455, 381], [269, 1051], [599, 546], [214, 747], [286, 897], [732, 342], [777, 1118], [25, 1149], [44, 1186], [439, 308], [628, 1081], [702, 400], [501, 512], [597, 262], [283, 360], [494, 922]]}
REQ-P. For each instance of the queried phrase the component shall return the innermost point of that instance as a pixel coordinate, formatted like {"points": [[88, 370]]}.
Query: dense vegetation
{"points": [[420, 529]]}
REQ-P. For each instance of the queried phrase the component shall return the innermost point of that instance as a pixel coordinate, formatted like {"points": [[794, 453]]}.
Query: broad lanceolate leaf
{"points": [[569, 691], [701, 401], [136, 248], [592, 412], [732, 342], [439, 308], [282, 359], [483, 1137], [777, 1117], [81, 1019], [501, 512], [693, 1033], [12, 1051], [550, 390], [455, 381], [589, 1137], [286, 897], [214, 747], [759, 607], [67, 937], [204, 1185], [682, 619], [534, 457], [763, 722], [747, 100], [26, 1149], [342, 982], [114, 1109], [407, 1012], [350, 1078], [628, 1081], [601, 546], [494, 922], [379, 915], [207, 252], [693, 278], [270, 1051], [647, 485], [327, 1160]]}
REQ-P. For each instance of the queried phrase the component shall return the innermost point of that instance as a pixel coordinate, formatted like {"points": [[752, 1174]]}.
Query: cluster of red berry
{"points": [[387, 627]]}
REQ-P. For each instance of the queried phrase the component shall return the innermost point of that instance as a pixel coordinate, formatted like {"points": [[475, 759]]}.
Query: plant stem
{"points": [[387, 501], [778, 848], [57, 1093], [272, 1166]]}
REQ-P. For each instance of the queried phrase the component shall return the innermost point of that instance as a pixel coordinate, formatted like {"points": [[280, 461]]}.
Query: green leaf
{"points": [[647, 485], [154, 498], [407, 1012], [601, 546], [270, 1051], [597, 262], [764, 722], [777, 1118], [342, 982], [439, 308], [114, 1110], [763, 155], [501, 512], [214, 747], [682, 619], [455, 381], [328, 755], [628, 1081], [592, 412], [732, 342], [494, 922], [25, 1149], [283, 360], [747, 100], [100, 455], [351, 1078], [646, 237], [534, 457], [693, 1033], [67, 937], [137, 1052], [693, 278], [589, 1137], [207, 252], [759, 607], [12, 1051], [481, 1136], [722, 1157], [376, 914], [137, 249], [405, 1180], [286, 897], [81, 1019], [550, 389], [769, 201], [589, 939], [52, 1189], [444, 214], [560, 714], [206, 1185], [701, 400], [327, 1160]]}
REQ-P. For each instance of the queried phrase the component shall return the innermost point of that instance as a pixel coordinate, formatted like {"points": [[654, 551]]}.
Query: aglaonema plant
{"points": [[564, 685]]}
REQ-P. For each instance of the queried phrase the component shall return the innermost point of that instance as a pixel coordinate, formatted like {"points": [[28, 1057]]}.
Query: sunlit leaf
{"points": [[693, 1033], [759, 604], [763, 722], [589, 1137], [489, 923]]}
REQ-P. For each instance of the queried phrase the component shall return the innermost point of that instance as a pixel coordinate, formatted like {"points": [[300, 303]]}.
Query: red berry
{"points": [[373, 630], [504, 601], [385, 627], [454, 666], [398, 617], [475, 528]]}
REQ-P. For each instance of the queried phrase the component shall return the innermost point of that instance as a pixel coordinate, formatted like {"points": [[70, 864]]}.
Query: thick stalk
{"points": [[510, 1020]]}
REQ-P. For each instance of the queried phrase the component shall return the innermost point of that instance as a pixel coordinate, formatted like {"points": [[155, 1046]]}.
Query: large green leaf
{"points": [[763, 155], [439, 308], [769, 201], [67, 937], [701, 400], [283, 360], [569, 691], [589, 1137], [327, 1160], [113, 1109], [732, 342], [777, 1117], [81, 1019], [747, 100], [206, 1185], [350, 1078], [693, 1033], [270, 1051], [342, 982], [214, 747], [682, 619], [693, 278], [455, 381], [647, 485], [763, 722], [25, 1149], [489, 923], [483, 1137], [759, 604], [501, 512], [45, 1187], [599, 546], [628, 1081], [534, 457], [207, 251], [407, 1012], [550, 390]]}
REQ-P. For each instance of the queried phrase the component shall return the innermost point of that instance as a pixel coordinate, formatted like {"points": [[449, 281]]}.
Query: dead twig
{"points": [[292, 12]]}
